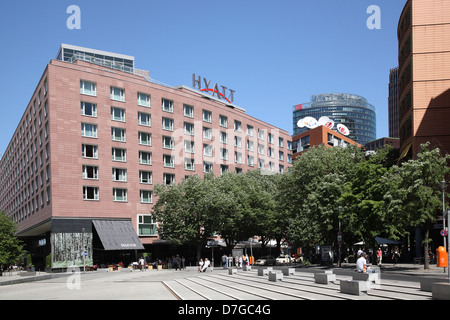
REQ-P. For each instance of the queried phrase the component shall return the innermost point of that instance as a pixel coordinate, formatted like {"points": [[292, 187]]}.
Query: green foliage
{"points": [[325, 188], [10, 247]]}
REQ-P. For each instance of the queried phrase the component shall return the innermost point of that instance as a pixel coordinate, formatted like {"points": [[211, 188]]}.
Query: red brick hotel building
{"points": [[97, 135]]}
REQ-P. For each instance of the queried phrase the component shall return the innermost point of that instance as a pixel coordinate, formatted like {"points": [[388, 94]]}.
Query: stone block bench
{"points": [[324, 278], [246, 268], [264, 272], [427, 283], [232, 271], [355, 287], [441, 290], [370, 277], [275, 276], [289, 271]]}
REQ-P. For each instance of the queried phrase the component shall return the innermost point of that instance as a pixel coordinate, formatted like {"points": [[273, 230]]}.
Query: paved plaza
{"points": [[401, 282]]}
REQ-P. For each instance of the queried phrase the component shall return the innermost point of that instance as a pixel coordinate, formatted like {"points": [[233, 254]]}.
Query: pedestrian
{"points": [[176, 262], [141, 263], [183, 262], [240, 261], [206, 265], [361, 264], [200, 265], [379, 256], [395, 256], [224, 261]]}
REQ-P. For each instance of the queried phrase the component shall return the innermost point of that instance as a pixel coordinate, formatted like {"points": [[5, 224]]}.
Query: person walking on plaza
{"points": [[395, 256], [200, 265], [224, 261], [379, 256], [142, 264]]}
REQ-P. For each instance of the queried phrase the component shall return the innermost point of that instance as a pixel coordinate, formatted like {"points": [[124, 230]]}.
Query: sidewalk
{"points": [[387, 268]]}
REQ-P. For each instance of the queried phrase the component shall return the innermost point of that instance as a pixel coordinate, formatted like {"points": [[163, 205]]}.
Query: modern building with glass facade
{"points": [[95, 138], [351, 110]]}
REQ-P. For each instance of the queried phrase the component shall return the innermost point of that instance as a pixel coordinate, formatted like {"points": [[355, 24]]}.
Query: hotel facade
{"points": [[97, 135]]}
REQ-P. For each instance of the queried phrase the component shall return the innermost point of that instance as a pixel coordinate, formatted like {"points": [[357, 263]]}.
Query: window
{"points": [[249, 130], [89, 151], [145, 157], [146, 196], [207, 116], [117, 94], [189, 146], [118, 134], [280, 155], [250, 161], [189, 128], [146, 226], [145, 138], [168, 142], [261, 149], [145, 177], [168, 178], [223, 169], [168, 161], [270, 138], [207, 150], [280, 142], [188, 111], [223, 154], [223, 137], [261, 134], [207, 133], [237, 126], [119, 154], [167, 105], [117, 114], [88, 88], [271, 152], [167, 124], [189, 164], [207, 167], [144, 119], [237, 141], [223, 121], [88, 109], [90, 172], [143, 100], [90, 193], [249, 145], [120, 195], [261, 163], [119, 175], [238, 157], [89, 130]]}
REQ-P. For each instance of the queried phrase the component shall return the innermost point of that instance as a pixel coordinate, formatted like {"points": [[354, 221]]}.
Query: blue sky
{"points": [[274, 54]]}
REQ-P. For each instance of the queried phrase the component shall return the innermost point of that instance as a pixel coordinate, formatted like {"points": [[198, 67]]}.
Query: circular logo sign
{"points": [[343, 129]]}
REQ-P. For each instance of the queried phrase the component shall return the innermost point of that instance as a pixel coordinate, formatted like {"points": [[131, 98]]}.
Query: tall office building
{"points": [[393, 104], [351, 110], [97, 135], [424, 75]]}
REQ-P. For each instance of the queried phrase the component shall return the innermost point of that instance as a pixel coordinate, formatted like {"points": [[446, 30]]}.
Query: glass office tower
{"points": [[351, 110]]}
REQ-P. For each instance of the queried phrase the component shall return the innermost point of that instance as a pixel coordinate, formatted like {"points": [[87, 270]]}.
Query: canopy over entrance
{"points": [[117, 235]]}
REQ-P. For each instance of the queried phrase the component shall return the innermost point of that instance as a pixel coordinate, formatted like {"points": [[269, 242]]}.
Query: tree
{"points": [[363, 202], [11, 248], [414, 194], [185, 211], [313, 190]]}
